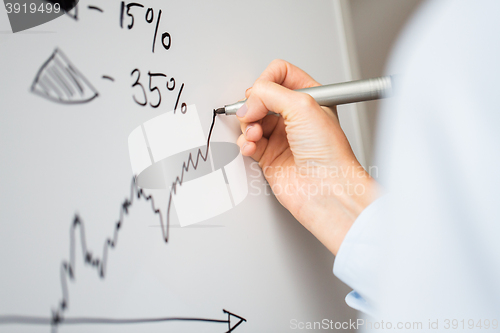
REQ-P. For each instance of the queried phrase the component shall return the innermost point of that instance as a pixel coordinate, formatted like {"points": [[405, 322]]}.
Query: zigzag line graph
{"points": [[67, 269]]}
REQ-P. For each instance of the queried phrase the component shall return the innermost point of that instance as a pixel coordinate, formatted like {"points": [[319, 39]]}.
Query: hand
{"points": [[304, 154]]}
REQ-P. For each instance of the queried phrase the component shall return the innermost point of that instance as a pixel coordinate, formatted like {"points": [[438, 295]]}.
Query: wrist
{"points": [[330, 213]]}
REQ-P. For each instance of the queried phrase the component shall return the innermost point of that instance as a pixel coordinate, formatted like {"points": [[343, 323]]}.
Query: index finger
{"points": [[267, 95]]}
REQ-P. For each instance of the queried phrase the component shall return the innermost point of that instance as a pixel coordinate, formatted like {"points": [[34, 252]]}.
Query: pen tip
{"points": [[220, 111]]}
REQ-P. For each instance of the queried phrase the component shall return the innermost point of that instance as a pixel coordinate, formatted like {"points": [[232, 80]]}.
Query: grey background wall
{"points": [[376, 25]]}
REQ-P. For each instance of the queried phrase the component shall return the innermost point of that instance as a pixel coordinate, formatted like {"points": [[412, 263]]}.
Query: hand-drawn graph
{"points": [[67, 268], [216, 187], [58, 80]]}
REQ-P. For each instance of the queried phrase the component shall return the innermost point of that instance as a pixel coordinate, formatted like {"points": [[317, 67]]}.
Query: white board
{"points": [[64, 150]]}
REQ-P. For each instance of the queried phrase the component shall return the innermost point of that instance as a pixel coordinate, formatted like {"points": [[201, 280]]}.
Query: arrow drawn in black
{"points": [[232, 320]]}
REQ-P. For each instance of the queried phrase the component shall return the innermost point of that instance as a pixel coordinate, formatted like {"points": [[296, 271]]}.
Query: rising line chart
{"points": [[67, 268]]}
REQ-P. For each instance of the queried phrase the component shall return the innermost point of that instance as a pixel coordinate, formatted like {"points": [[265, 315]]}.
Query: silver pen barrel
{"points": [[341, 93]]}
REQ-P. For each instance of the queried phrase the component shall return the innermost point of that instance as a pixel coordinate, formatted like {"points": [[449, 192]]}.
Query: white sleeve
{"points": [[430, 252], [357, 261]]}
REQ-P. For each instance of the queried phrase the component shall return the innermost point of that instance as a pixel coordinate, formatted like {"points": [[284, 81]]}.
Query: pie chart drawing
{"points": [[58, 80]]}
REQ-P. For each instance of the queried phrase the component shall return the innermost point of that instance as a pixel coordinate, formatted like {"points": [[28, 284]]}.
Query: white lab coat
{"points": [[430, 248]]}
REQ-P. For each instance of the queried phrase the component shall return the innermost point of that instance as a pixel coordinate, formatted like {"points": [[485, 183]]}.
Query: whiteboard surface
{"points": [[254, 260]]}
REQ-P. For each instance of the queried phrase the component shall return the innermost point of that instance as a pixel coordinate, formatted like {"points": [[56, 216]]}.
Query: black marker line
{"points": [[40, 70], [75, 14], [58, 71], [42, 83], [44, 87], [95, 8], [70, 76], [72, 70], [36, 320], [61, 101], [49, 81], [95, 320], [179, 97], [156, 30], [74, 76], [131, 5], [51, 71], [108, 78], [122, 11], [45, 93]]}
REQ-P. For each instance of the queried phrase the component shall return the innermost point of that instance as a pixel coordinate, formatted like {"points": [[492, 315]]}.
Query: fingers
{"points": [[252, 131], [262, 128], [253, 149], [273, 91], [268, 125], [247, 92], [266, 95], [285, 74], [277, 144]]}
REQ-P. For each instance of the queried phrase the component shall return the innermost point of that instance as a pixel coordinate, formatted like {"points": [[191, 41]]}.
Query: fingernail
{"points": [[248, 127], [243, 147], [242, 111]]}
